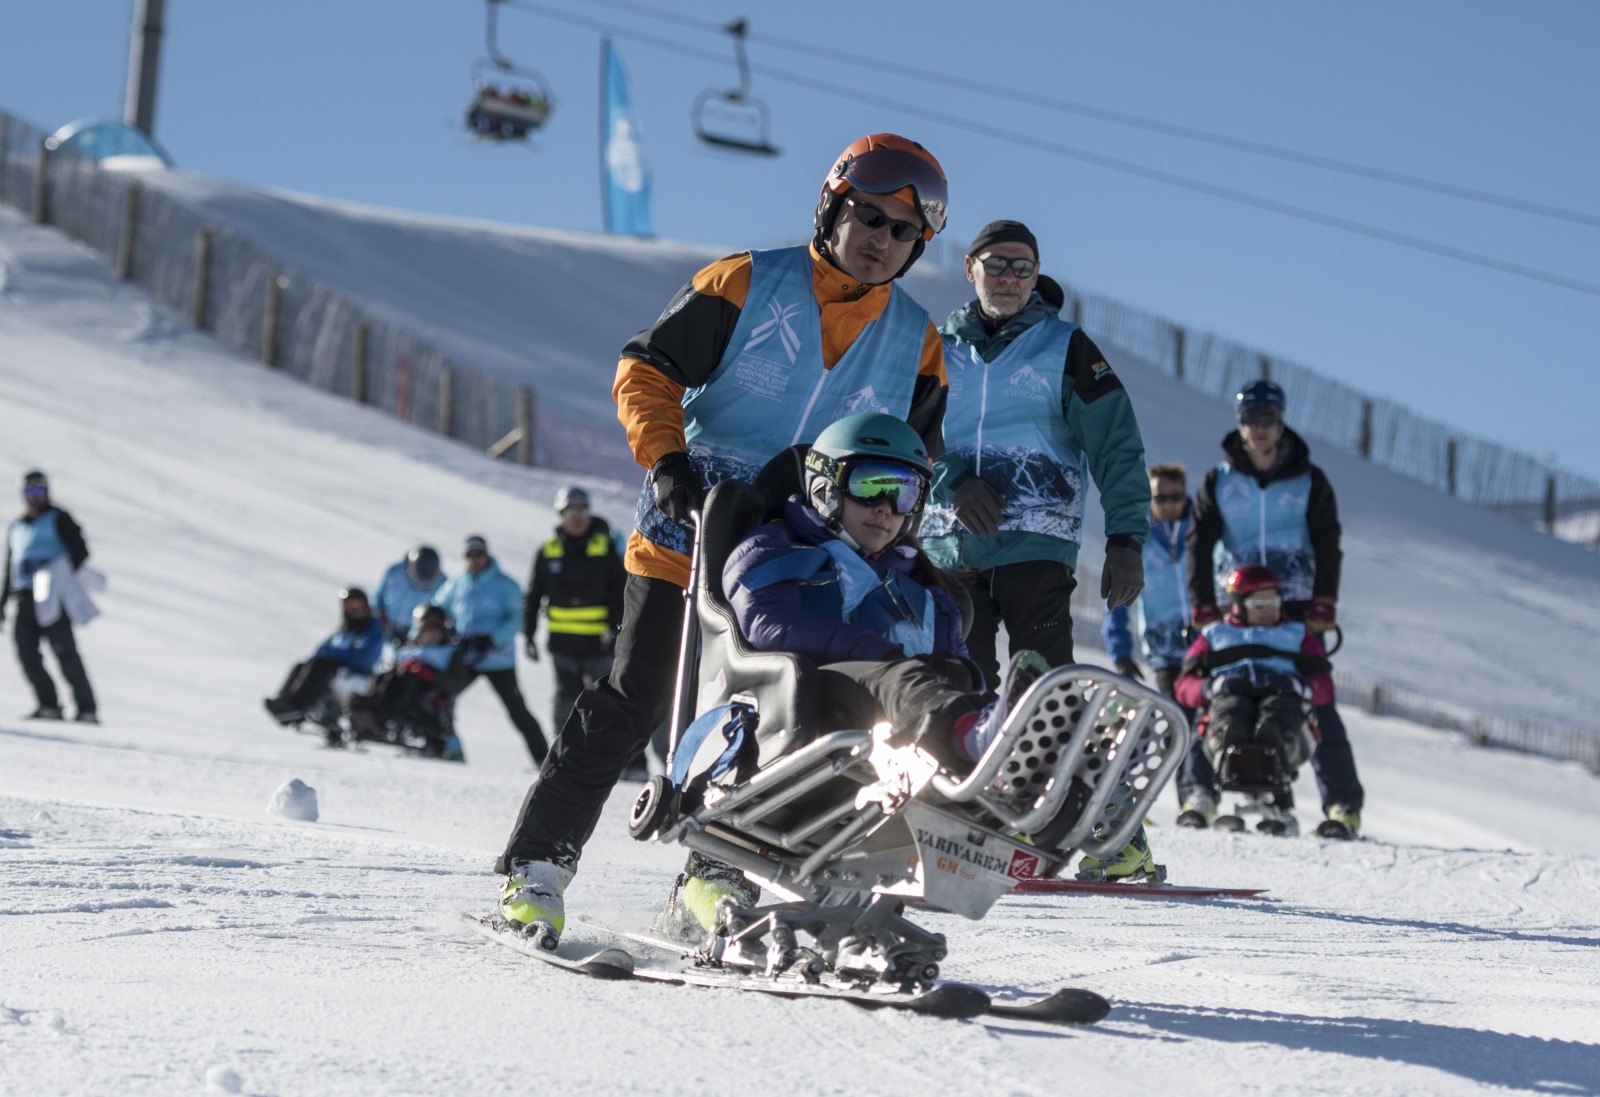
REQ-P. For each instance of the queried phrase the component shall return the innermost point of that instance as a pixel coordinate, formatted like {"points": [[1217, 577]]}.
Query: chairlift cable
{"points": [[1110, 163], [1124, 118]]}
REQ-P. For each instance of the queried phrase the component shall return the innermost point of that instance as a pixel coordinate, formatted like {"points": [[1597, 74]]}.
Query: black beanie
{"points": [[1002, 232], [33, 478]]}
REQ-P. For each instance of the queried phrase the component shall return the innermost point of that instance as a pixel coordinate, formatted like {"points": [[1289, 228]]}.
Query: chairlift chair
{"points": [[508, 100], [735, 119]]}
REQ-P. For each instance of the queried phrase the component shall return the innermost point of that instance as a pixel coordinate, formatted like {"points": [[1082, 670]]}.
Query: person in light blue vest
{"points": [[1163, 604], [1034, 413], [486, 605], [758, 352], [1267, 504], [407, 584], [40, 536]]}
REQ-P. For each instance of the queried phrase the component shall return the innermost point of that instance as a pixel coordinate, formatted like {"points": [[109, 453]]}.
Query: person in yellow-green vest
{"points": [[578, 578]]}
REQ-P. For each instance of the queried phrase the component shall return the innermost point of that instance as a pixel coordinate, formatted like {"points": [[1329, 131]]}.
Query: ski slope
{"points": [[160, 933]]}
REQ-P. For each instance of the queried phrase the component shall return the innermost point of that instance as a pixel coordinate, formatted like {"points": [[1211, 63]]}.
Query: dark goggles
{"points": [[872, 482], [874, 218], [1161, 498], [35, 491], [994, 266], [884, 171], [1261, 417]]}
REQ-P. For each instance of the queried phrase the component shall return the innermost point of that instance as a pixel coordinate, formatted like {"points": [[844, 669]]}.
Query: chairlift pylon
{"points": [[508, 100], [735, 119]]}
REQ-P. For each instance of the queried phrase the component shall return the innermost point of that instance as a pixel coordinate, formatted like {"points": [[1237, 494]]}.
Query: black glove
{"points": [[678, 487], [477, 645], [1123, 577], [1130, 669], [977, 505], [532, 648]]}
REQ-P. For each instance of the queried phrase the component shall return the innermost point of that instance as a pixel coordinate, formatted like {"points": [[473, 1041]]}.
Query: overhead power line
{"points": [[1122, 118], [1033, 141]]}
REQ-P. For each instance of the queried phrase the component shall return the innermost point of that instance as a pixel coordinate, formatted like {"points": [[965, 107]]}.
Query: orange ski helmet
{"points": [[886, 163]]}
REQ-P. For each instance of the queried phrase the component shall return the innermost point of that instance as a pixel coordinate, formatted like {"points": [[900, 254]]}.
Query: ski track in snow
{"points": [[161, 933]]}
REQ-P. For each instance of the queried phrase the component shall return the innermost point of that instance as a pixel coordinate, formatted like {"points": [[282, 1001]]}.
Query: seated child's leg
{"points": [[1278, 724], [1232, 724], [921, 696]]}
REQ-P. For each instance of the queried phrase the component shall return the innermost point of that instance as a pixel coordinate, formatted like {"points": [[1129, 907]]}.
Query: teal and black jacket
{"points": [[1033, 407]]}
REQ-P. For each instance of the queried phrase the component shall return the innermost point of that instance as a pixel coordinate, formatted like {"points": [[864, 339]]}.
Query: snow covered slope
{"points": [[160, 933]]}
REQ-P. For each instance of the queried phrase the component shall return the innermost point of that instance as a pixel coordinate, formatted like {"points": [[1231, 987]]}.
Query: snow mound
{"points": [[294, 800]]}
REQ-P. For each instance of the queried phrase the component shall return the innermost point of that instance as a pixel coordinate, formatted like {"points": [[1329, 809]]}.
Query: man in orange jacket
{"points": [[760, 351]]}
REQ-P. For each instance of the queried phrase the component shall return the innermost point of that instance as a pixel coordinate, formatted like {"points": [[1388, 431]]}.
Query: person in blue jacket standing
{"points": [[43, 533], [1163, 608], [354, 647], [407, 584], [486, 605], [1267, 504]]}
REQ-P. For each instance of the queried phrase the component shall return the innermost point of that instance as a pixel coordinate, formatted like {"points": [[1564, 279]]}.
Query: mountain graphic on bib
{"points": [[1028, 382]]}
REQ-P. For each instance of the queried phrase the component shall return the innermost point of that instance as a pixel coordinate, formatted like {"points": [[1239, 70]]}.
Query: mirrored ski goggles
{"points": [[874, 218], [872, 482], [884, 171], [1267, 599], [994, 266]]}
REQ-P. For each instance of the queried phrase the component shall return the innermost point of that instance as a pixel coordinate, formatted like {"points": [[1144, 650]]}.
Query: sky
{"points": [[363, 101]]}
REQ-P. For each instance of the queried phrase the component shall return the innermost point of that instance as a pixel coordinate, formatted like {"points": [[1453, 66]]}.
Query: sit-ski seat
{"points": [[848, 829]]}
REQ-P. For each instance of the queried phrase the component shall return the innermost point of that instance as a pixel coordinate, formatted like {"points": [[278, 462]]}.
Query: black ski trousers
{"points": [[609, 726], [1333, 764], [510, 693], [1033, 599], [306, 684], [28, 635], [921, 697], [574, 674]]}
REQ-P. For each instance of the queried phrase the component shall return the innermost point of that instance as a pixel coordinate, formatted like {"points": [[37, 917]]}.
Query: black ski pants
{"points": [[921, 697], [1333, 764], [510, 693], [306, 684], [28, 634], [609, 726], [574, 674], [1033, 599]]}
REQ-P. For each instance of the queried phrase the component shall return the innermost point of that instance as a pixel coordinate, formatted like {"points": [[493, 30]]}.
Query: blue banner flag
{"points": [[625, 182]]}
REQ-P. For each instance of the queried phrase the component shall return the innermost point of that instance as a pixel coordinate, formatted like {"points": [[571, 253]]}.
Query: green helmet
{"points": [[848, 449]]}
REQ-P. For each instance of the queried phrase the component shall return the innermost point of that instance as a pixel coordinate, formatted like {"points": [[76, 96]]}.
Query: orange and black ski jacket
{"points": [[685, 346]]}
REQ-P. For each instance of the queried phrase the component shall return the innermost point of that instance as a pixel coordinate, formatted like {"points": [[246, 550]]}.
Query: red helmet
{"points": [[1247, 579], [884, 163]]}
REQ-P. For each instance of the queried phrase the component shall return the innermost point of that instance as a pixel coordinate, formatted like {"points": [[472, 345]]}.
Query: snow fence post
{"points": [[447, 402], [1450, 467], [129, 228], [40, 181], [1364, 445], [202, 275], [1177, 353], [358, 366], [1550, 503], [5, 150], [269, 321], [525, 425]]}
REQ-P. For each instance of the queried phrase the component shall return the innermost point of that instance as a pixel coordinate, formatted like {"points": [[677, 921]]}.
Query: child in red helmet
{"points": [[1255, 669]]}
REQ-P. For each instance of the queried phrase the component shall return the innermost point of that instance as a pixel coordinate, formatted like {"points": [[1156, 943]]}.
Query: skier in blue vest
{"points": [[1267, 504], [1034, 413], [40, 536], [341, 666], [759, 352]]}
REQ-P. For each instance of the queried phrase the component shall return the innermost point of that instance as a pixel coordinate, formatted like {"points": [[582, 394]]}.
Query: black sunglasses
{"points": [[994, 266], [872, 217], [1178, 498]]}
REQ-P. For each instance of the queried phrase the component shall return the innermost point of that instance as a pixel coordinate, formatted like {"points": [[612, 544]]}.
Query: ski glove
{"points": [[977, 505], [1123, 577], [1201, 616], [531, 646], [1130, 669], [678, 487], [1322, 613]]}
